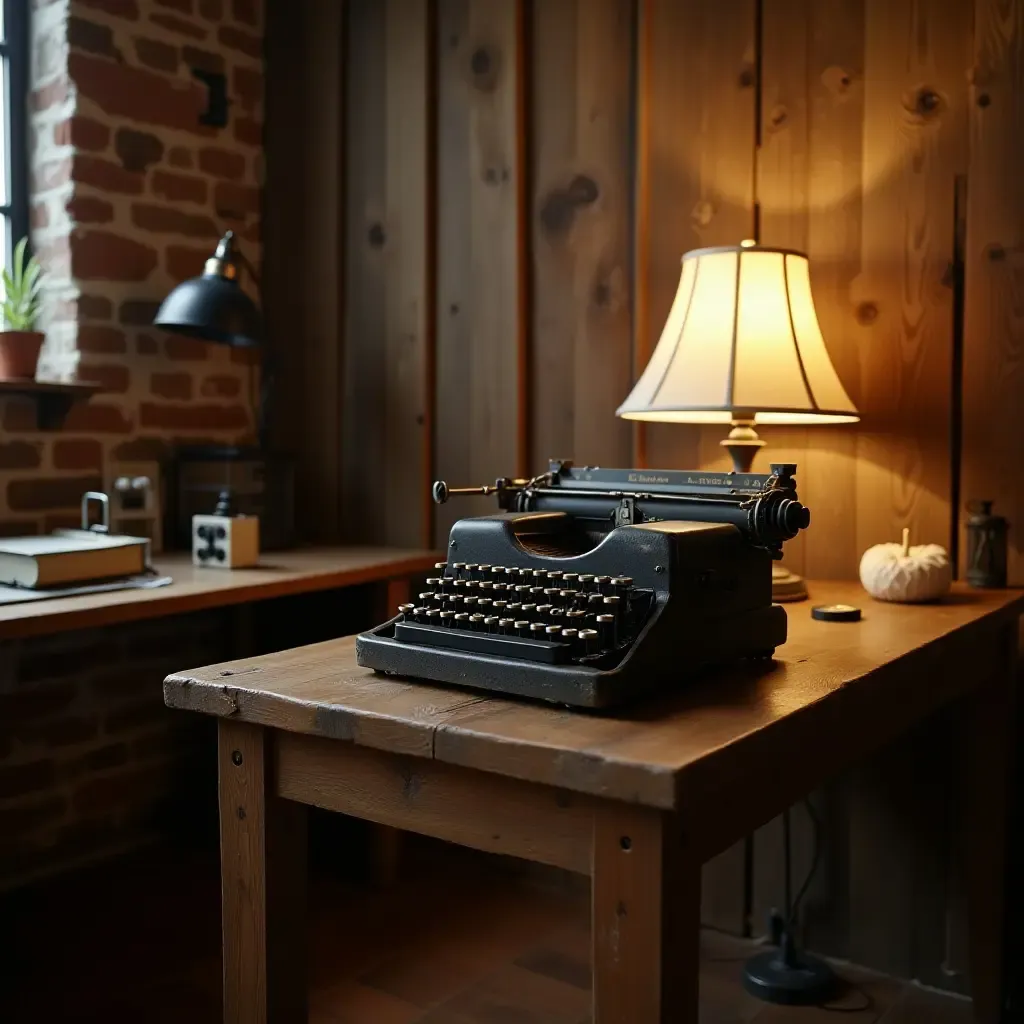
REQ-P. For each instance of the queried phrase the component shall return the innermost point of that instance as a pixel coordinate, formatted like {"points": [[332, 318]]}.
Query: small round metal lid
{"points": [[836, 613]]}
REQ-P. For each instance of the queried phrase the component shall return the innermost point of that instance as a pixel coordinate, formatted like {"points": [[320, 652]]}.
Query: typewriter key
{"points": [[469, 604], [476, 622], [613, 604], [473, 586], [552, 632], [606, 628], [446, 618], [594, 602], [537, 592], [621, 585], [483, 605], [588, 641], [575, 617], [471, 568], [571, 637], [458, 568], [586, 581], [499, 607], [433, 615], [601, 583], [555, 575], [568, 597], [491, 623], [434, 582], [521, 627], [538, 575], [511, 573], [447, 584], [528, 609], [557, 612], [485, 586], [500, 588], [544, 609], [571, 580], [523, 590], [406, 610], [537, 630], [441, 566], [484, 570], [552, 592], [419, 613], [506, 626], [461, 620], [513, 607], [459, 586], [427, 595]]}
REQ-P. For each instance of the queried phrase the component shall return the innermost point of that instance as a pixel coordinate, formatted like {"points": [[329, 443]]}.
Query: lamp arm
{"points": [[245, 261]]}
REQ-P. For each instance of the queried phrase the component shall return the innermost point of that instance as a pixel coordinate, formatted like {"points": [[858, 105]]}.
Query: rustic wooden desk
{"points": [[638, 799], [279, 573]]}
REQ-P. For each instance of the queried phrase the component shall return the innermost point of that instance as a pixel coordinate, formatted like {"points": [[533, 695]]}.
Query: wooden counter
{"points": [[279, 574]]}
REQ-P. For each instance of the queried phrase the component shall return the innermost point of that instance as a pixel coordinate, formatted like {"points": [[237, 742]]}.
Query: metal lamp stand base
{"points": [[786, 974]]}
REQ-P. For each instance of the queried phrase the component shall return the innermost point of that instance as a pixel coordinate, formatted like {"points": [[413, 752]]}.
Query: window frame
{"points": [[14, 46]]}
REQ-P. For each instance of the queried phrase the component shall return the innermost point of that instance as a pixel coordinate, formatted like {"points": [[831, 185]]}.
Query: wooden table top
{"points": [[279, 573], [834, 691]]}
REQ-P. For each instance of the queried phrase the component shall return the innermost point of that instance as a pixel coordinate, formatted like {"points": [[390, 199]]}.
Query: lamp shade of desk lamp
{"points": [[742, 346]]}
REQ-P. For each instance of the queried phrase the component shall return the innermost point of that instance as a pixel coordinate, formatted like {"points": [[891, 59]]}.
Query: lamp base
{"points": [[742, 444], [787, 586], [798, 979]]}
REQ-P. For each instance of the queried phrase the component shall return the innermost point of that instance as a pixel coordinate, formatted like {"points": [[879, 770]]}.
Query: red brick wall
{"points": [[130, 193], [91, 761]]}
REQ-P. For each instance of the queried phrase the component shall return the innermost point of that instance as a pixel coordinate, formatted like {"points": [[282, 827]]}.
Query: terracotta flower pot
{"points": [[19, 354]]}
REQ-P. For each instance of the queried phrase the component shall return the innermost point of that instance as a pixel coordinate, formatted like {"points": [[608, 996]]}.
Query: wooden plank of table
{"points": [[818, 703], [581, 138], [263, 884], [993, 358], [485, 812], [645, 897], [194, 588]]}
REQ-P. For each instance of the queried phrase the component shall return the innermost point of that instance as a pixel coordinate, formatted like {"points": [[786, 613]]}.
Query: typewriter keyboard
{"points": [[530, 614]]}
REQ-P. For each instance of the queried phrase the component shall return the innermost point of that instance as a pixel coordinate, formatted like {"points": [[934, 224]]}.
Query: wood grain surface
{"points": [[580, 112], [663, 752], [993, 364], [278, 574]]}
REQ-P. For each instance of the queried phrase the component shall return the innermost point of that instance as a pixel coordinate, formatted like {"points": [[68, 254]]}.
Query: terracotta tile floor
{"points": [[457, 941]]}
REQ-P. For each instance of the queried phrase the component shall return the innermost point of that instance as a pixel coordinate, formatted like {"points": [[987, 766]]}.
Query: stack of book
{"points": [[68, 557]]}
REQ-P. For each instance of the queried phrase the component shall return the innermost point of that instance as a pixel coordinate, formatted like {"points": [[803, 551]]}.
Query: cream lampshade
{"points": [[741, 346]]}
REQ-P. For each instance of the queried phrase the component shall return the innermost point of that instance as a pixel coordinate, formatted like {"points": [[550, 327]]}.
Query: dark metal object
{"points": [[835, 613], [696, 580], [986, 546]]}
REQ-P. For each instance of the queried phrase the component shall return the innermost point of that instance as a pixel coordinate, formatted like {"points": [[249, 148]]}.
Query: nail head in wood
{"points": [[236, 758]]}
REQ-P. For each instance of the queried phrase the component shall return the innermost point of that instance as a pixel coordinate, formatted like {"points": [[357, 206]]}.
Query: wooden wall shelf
{"points": [[53, 400]]}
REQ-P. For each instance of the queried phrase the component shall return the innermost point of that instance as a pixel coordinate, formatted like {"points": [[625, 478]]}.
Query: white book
{"points": [[70, 556]]}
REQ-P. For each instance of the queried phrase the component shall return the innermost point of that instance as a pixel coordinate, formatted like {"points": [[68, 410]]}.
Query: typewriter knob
{"points": [[439, 492]]}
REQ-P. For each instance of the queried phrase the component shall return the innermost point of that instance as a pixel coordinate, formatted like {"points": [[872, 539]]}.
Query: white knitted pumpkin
{"points": [[899, 572]]}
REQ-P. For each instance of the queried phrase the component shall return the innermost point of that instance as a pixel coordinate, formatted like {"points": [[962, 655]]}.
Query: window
{"points": [[14, 135]]}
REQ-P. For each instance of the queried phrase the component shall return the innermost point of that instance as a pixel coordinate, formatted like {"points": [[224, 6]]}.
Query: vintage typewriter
{"points": [[592, 586]]}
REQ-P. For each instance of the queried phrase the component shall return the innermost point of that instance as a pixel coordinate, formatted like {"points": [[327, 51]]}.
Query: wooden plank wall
{"points": [[493, 196]]}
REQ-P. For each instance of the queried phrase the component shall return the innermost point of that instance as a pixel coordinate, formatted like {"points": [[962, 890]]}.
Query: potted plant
{"points": [[19, 341]]}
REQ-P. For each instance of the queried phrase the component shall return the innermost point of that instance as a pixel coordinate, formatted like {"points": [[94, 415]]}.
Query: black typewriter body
{"points": [[589, 593]]}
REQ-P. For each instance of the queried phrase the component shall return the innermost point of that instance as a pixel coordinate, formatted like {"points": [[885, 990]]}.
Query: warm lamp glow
{"points": [[741, 343]]}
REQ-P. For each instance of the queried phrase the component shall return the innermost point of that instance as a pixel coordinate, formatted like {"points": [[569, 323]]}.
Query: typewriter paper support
{"points": [[592, 587]]}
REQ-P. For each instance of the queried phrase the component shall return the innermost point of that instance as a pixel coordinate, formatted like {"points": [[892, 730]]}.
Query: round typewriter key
{"points": [[506, 626], [537, 630], [544, 609], [500, 588], [523, 589], [522, 627], [613, 604], [483, 605], [552, 591], [555, 575], [621, 585], [606, 627], [433, 614], [427, 595], [434, 582], [539, 574], [469, 604], [571, 637], [595, 601], [441, 565], [419, 613], [484, 570], [836, 613], [491, 623], [512, 573], [552, 632], [601, 583], [459, 585], [586, 581], [461, 620], [568, 597], [576, 616], [485, 586], [471, 568], [571, 579], [473, 586], [536, 592], [513, 607], [458, 568], [499, 607], [528, 609], [588, 640], [476, 622], [406, 610], [446, 618], [557, 612]]}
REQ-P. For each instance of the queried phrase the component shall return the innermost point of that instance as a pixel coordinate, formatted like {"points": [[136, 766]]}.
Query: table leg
{"points": [[263, 884], [645, 918], [988, 733]]}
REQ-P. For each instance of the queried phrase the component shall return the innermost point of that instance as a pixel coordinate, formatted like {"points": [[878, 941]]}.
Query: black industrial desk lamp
{"points": [[213, 307]]}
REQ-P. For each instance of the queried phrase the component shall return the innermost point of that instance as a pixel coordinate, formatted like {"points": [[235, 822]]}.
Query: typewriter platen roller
{"points": [[591, 587]]}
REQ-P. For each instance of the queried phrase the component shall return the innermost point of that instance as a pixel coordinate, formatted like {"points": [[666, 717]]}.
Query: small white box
{"points": [[225, 542]]}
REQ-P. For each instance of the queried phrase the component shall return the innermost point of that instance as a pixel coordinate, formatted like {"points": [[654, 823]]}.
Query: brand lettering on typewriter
{"points": [[646, 478]]}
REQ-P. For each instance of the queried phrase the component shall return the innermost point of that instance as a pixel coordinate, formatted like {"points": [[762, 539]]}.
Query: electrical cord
{"points": [[793, 910]]}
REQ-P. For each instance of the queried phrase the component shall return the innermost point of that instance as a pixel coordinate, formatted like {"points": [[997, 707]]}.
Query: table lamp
{"points": [[742, 346], [213, 307]]}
